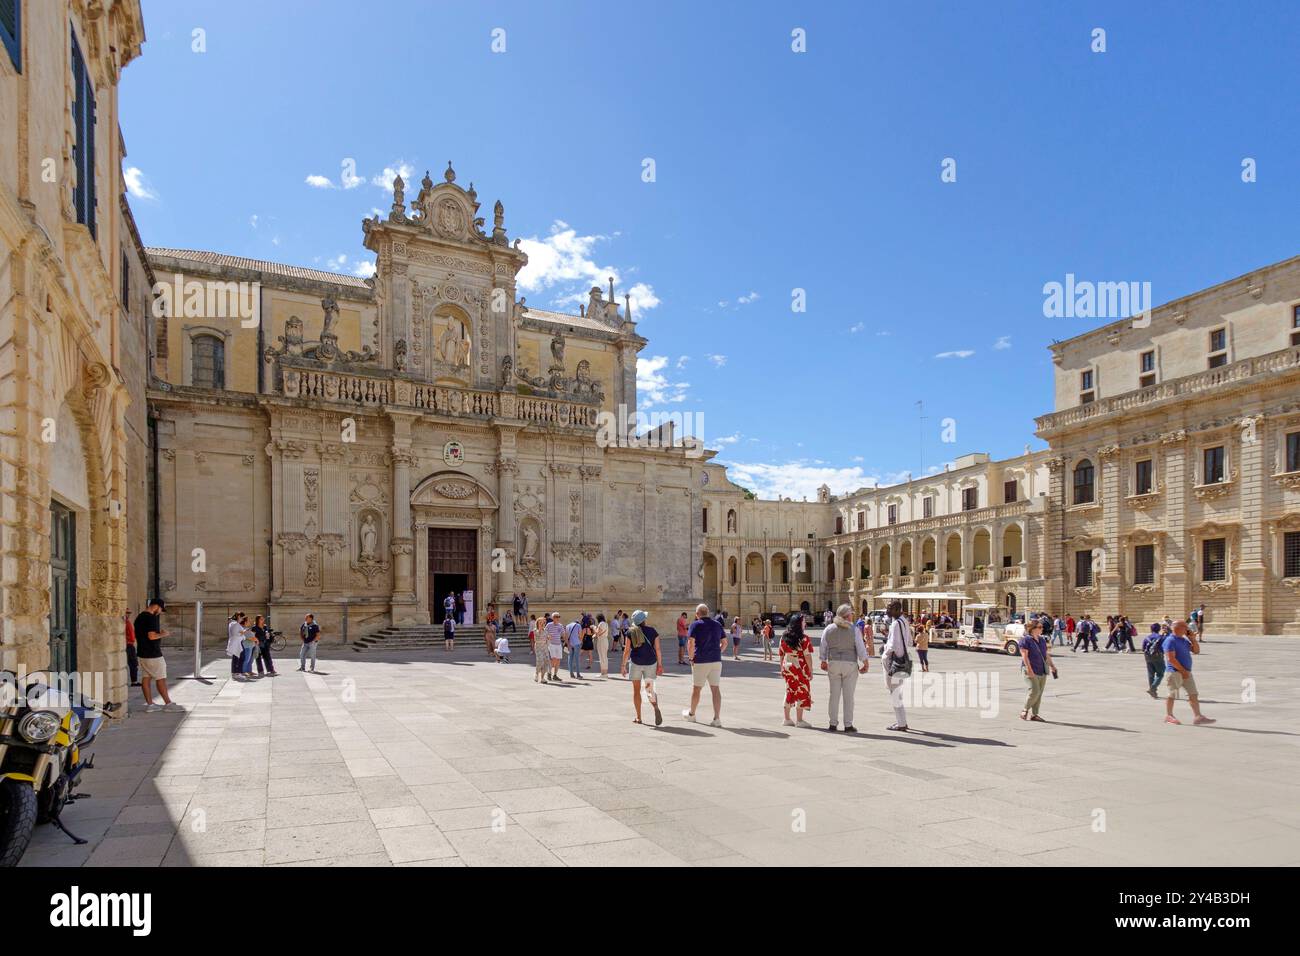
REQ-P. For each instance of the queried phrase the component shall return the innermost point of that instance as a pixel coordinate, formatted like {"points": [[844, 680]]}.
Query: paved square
{"points": [[447, 759]]}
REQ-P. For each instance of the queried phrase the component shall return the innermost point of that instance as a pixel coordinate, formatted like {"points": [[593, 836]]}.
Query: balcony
{"points": [[1014, 573], [980, 575], [1141, 399]]}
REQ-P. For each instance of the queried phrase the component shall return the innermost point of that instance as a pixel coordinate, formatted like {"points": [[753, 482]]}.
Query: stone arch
{"points": [[981, 548], [779, 568], [710, 579], [952, 560], [754, 568], [732, 571], [1013, 545], [929, 558], [906, 564], [847, 566], [830, 566], [885, 563]]}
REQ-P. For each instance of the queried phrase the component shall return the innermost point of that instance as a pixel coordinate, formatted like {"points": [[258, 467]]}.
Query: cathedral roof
{"points": [[257, 265], [563, 318]]}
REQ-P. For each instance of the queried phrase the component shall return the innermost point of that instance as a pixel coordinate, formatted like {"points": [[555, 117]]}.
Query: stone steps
{"points": [[417, 636]]}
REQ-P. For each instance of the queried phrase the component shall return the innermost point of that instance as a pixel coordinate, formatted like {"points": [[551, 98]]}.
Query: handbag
{"points": [[899, 665]]}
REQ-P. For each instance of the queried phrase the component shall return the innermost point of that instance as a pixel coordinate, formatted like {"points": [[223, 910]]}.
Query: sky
{"points": [[824, 212]]}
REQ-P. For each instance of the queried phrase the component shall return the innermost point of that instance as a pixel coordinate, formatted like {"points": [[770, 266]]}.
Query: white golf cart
{"points": [[989, 627]]}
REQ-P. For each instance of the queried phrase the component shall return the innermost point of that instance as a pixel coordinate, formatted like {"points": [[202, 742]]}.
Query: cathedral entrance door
{"points": [[453, 567]]}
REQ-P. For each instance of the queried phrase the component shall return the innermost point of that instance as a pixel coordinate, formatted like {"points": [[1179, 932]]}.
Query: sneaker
{"points": [[1151, 692], [848, 729], [807, 726], [787, 722], [832, 728], [687, 715], [715, 722], [1171, 719], [901, 728], [174, 708], [301, 669], [1203, 720], [152, 708]]}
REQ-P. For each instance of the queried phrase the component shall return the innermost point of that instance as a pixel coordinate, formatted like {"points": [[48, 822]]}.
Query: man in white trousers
{"points": [[899, 636], [843, 657]]}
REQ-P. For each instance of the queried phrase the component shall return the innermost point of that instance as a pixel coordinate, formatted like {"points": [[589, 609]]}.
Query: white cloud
{"points": [[385, 179], [317, 181], [652, 384], [252, 220], [959, 353], [797, 479], [724, 440], [681, 362], [746, 299], [565, 261], [884, 333], [717, 360], [137, 185], [1003, 342], [855, 329], [364, 268]]}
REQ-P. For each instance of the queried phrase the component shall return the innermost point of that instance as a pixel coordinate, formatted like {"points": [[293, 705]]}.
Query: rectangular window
{"points": [[1295, 325], [1083, 569], [704, 520], [839, 524], [1218, 348], [969, 499], [11, 31], [1144, 564], [83, 152], [1293, 451], [126, 282], [1142, 483], [1009, 491], [927, 506], [1291, 554], [1214, 559], [1086, 392], [1147, 368], [893, 514], [1213, 466]]}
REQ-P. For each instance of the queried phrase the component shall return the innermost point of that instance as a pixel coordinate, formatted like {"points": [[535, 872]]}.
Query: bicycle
{"points": [[276, 639]]}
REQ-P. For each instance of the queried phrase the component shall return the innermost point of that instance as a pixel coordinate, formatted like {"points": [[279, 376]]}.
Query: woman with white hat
{"points": [[641, 644]]}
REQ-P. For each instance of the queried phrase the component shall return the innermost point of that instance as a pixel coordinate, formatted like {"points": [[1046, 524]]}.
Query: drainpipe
{"points": [[154, 537]]}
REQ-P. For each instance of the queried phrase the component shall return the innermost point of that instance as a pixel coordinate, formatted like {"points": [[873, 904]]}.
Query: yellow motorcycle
{"points": [[43, 733]]}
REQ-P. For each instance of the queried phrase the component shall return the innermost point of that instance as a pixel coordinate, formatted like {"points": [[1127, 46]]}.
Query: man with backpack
{"points": [[310, 634], [1153, 650]]}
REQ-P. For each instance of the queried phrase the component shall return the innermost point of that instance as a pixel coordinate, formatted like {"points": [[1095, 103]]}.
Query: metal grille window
{"points": [[1293, 451], [209, 362], [1291, 554], [1083, 482], [1213, 465], [1083, 569], [1144, 564], [1214, 559], [1142, 477]]}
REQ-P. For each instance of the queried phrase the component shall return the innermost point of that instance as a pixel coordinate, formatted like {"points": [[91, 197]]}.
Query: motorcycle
{"points": [[44, 732]]}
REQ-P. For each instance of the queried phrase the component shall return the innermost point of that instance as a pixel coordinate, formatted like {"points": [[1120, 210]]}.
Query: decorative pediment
{"points": [[451, 488]]}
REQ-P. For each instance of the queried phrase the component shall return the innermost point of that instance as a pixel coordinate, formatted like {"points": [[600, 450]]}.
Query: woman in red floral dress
{"points": [[796, 668]]}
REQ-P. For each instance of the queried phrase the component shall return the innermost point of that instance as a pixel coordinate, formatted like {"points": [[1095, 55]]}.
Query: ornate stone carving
{"points": [[454, 489], [1107, 452], [589, 472], [1173, 437], [310, 484]]}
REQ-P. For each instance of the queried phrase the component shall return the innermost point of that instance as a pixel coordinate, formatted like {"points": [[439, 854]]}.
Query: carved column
{"points": [[1054, 539], [405, 608], [506, 467], [1177, 588], [1252, 568], [1110, 587]]}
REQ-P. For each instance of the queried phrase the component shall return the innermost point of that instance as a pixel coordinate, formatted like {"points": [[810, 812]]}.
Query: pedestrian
{"points": [[1179, 648], [449, 605], [448, 633], [1197, 623], [1128, 631], [460, 608], [735, 638], [643, 662], [517, 605], [588, 638], [310, 634], [616, 630], [922, 643], [541, 657], [1112, 633], [489, 632], [1058, 631], [555, 644], [250, 647], [683, 628], [502, 649], [601, 639], [523, 603], [1081, 631], [898, 665], [766, 631], [132, 659], [575, 632], [235, 647], [1069, 633], [796, 668], [149, 636], [844, 658], [262, 635], [508, 622], [1036, 662], [1153, 652], [706, 643]]}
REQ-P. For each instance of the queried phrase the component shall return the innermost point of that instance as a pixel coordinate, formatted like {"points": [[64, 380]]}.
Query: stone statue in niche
{"points": [[369, 538], [557, 352], [454, 345], [330, 306], [731, 522], [530, 544]]}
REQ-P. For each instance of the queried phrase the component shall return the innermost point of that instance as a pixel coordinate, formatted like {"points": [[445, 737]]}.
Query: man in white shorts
{"points": [[555, 645], [647, 663]]}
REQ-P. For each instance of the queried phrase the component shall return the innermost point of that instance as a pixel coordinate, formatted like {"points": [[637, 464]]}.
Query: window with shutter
{"points": [[11, 32], [83, 154]]}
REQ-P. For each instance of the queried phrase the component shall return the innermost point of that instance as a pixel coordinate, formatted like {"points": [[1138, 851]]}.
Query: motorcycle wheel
{"points": [[17, 820]]}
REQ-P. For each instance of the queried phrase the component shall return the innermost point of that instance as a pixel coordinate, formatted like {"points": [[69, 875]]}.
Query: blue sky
{"points": [[774, 171]]}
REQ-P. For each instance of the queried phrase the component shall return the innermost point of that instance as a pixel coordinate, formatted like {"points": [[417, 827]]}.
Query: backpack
{"points": [[1155, 652]]}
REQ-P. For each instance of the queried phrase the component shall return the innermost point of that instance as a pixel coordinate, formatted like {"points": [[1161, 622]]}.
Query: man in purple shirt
{"points": [[705, 643]]}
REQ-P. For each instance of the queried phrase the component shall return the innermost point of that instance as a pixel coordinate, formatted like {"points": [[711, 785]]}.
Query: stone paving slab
{"points": [[435, 758]]}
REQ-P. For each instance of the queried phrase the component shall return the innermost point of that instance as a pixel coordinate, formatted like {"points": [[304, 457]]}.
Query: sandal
{"points": [[1024, 715], [1039, 719]]}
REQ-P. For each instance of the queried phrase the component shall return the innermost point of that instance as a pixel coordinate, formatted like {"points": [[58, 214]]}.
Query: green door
{"points": [[63, 589]]}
